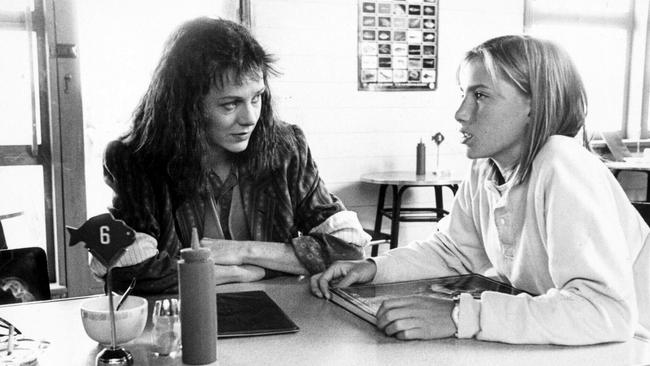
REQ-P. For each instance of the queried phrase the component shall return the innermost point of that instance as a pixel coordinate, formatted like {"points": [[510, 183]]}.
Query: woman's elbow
{"points": [[620, 323], [625, 325]]}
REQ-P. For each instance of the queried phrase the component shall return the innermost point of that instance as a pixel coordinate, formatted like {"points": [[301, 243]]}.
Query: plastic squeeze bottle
{"points": [[198, 312], [420, 168]]}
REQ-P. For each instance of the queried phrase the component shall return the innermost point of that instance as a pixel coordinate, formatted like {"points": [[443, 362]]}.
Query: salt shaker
{"points": [[166, 333]]}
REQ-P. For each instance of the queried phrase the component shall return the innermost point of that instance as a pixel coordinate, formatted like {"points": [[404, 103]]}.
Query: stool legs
{"points": [[3, 241], [378, 216], [395, 220], [439, 202], [396, 211]]}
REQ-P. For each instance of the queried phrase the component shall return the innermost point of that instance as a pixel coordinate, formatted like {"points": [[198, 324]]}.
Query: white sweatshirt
{"points": [[569, 234]]}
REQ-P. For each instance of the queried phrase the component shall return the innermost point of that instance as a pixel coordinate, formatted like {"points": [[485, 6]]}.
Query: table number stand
{"points": [[438, 138], [106, 239]]}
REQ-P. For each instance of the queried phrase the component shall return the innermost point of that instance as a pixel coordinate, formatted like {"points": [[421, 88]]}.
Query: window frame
{"points": [[61, 149], [634, 116], [35, 154]]}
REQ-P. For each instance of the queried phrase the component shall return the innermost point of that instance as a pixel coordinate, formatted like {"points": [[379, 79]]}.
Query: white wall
{"points": [[353, 132]]}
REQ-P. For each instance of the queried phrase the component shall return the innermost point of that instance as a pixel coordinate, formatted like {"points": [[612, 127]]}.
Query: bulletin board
{"points": [[398, 44]]}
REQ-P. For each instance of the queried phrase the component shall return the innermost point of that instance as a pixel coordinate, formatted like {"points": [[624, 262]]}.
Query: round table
{"points": [[400, 181]]}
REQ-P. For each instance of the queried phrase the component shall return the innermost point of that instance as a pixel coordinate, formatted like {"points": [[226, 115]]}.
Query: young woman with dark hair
{"points": [[205, 150]]}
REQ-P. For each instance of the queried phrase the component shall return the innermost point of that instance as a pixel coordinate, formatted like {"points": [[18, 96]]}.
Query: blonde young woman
{"points": [[537, 209]]}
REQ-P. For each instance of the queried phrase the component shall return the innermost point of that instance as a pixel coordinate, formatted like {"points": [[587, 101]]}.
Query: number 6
{"points": [[104, 235]]}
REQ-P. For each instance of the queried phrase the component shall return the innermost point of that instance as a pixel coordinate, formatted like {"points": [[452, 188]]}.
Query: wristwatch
{"points": [[455, 314]]}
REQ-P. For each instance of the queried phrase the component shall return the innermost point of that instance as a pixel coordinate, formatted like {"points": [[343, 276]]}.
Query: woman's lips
{"points": [[466, 136], [243, 136]]}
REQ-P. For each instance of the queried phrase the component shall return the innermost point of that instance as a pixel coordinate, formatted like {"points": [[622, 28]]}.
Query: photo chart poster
{"points": [[398, 44]]}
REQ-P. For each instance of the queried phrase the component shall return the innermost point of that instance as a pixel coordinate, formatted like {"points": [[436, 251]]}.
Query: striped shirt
{"points": [[276, 208]]}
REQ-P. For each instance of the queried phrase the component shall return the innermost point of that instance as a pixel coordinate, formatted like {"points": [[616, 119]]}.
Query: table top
{"points": [[410, 178], [329, 335], [636, 165], [8, 215]]}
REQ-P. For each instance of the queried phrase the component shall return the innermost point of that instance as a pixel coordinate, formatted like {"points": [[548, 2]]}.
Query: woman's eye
{"points": [[479, 95], [229, 106], [256, 99]]}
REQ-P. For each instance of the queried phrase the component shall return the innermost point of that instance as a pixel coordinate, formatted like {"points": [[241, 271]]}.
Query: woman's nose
{"points": [[463, 112], [249, 114]]}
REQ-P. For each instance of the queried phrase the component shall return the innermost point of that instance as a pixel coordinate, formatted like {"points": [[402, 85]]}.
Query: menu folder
{"points": [[364, 300], [250, 313]]}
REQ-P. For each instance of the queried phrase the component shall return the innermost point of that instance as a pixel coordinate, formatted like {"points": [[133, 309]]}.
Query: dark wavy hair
{"points": [[168, 135]]}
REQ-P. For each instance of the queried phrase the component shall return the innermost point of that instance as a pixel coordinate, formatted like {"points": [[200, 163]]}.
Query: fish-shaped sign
{"points": [[105, 237]]}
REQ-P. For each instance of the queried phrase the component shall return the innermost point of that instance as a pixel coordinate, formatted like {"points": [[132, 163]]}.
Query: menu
{"points": [[398, 44], [250, 313]]}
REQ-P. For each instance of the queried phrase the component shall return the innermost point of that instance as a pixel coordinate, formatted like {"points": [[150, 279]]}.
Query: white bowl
{"points": [[130, 320]]}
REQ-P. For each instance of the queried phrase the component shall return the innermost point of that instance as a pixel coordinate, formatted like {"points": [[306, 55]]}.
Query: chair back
{"points": [[23, 275], [644, 210]]}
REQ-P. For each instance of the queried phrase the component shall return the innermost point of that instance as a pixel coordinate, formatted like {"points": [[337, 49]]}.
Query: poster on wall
{"points": [[398, 44]]}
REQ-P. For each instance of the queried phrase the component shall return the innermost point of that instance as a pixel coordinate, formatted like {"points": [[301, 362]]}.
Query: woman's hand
{"points": [[352, 272], [416, 317], [226, 252], [243, 273]]}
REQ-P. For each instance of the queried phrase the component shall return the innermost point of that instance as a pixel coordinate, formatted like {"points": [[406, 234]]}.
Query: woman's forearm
{"points": [[277, 256], [237, 273], [271, 255]]}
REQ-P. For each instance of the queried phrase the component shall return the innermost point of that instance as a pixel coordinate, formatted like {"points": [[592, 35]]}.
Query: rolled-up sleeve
{"points": [[329, 231]]}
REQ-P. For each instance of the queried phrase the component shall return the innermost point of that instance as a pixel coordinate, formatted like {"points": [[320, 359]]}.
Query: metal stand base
{"points": [[114, 357]]}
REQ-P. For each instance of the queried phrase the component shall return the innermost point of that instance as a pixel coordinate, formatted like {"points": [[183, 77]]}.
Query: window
{"points": [[43, 152], [41, 145], [607, 41], [25, 144]]}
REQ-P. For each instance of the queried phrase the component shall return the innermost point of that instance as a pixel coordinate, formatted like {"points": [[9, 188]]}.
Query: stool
{"points": [[399, 183]]}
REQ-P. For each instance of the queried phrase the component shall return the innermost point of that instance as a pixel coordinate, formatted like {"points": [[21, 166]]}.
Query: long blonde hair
{"points": [[545, 73]]}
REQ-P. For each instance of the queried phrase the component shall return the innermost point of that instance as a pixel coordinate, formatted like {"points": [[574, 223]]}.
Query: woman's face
{"points": [[493, 117], [231, 113]]}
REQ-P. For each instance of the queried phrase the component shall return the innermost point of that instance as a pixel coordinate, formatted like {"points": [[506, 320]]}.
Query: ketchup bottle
{"points": [[198, 312]]}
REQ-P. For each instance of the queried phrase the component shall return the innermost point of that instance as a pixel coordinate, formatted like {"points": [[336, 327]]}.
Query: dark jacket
{"points": [[292, 200]]}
